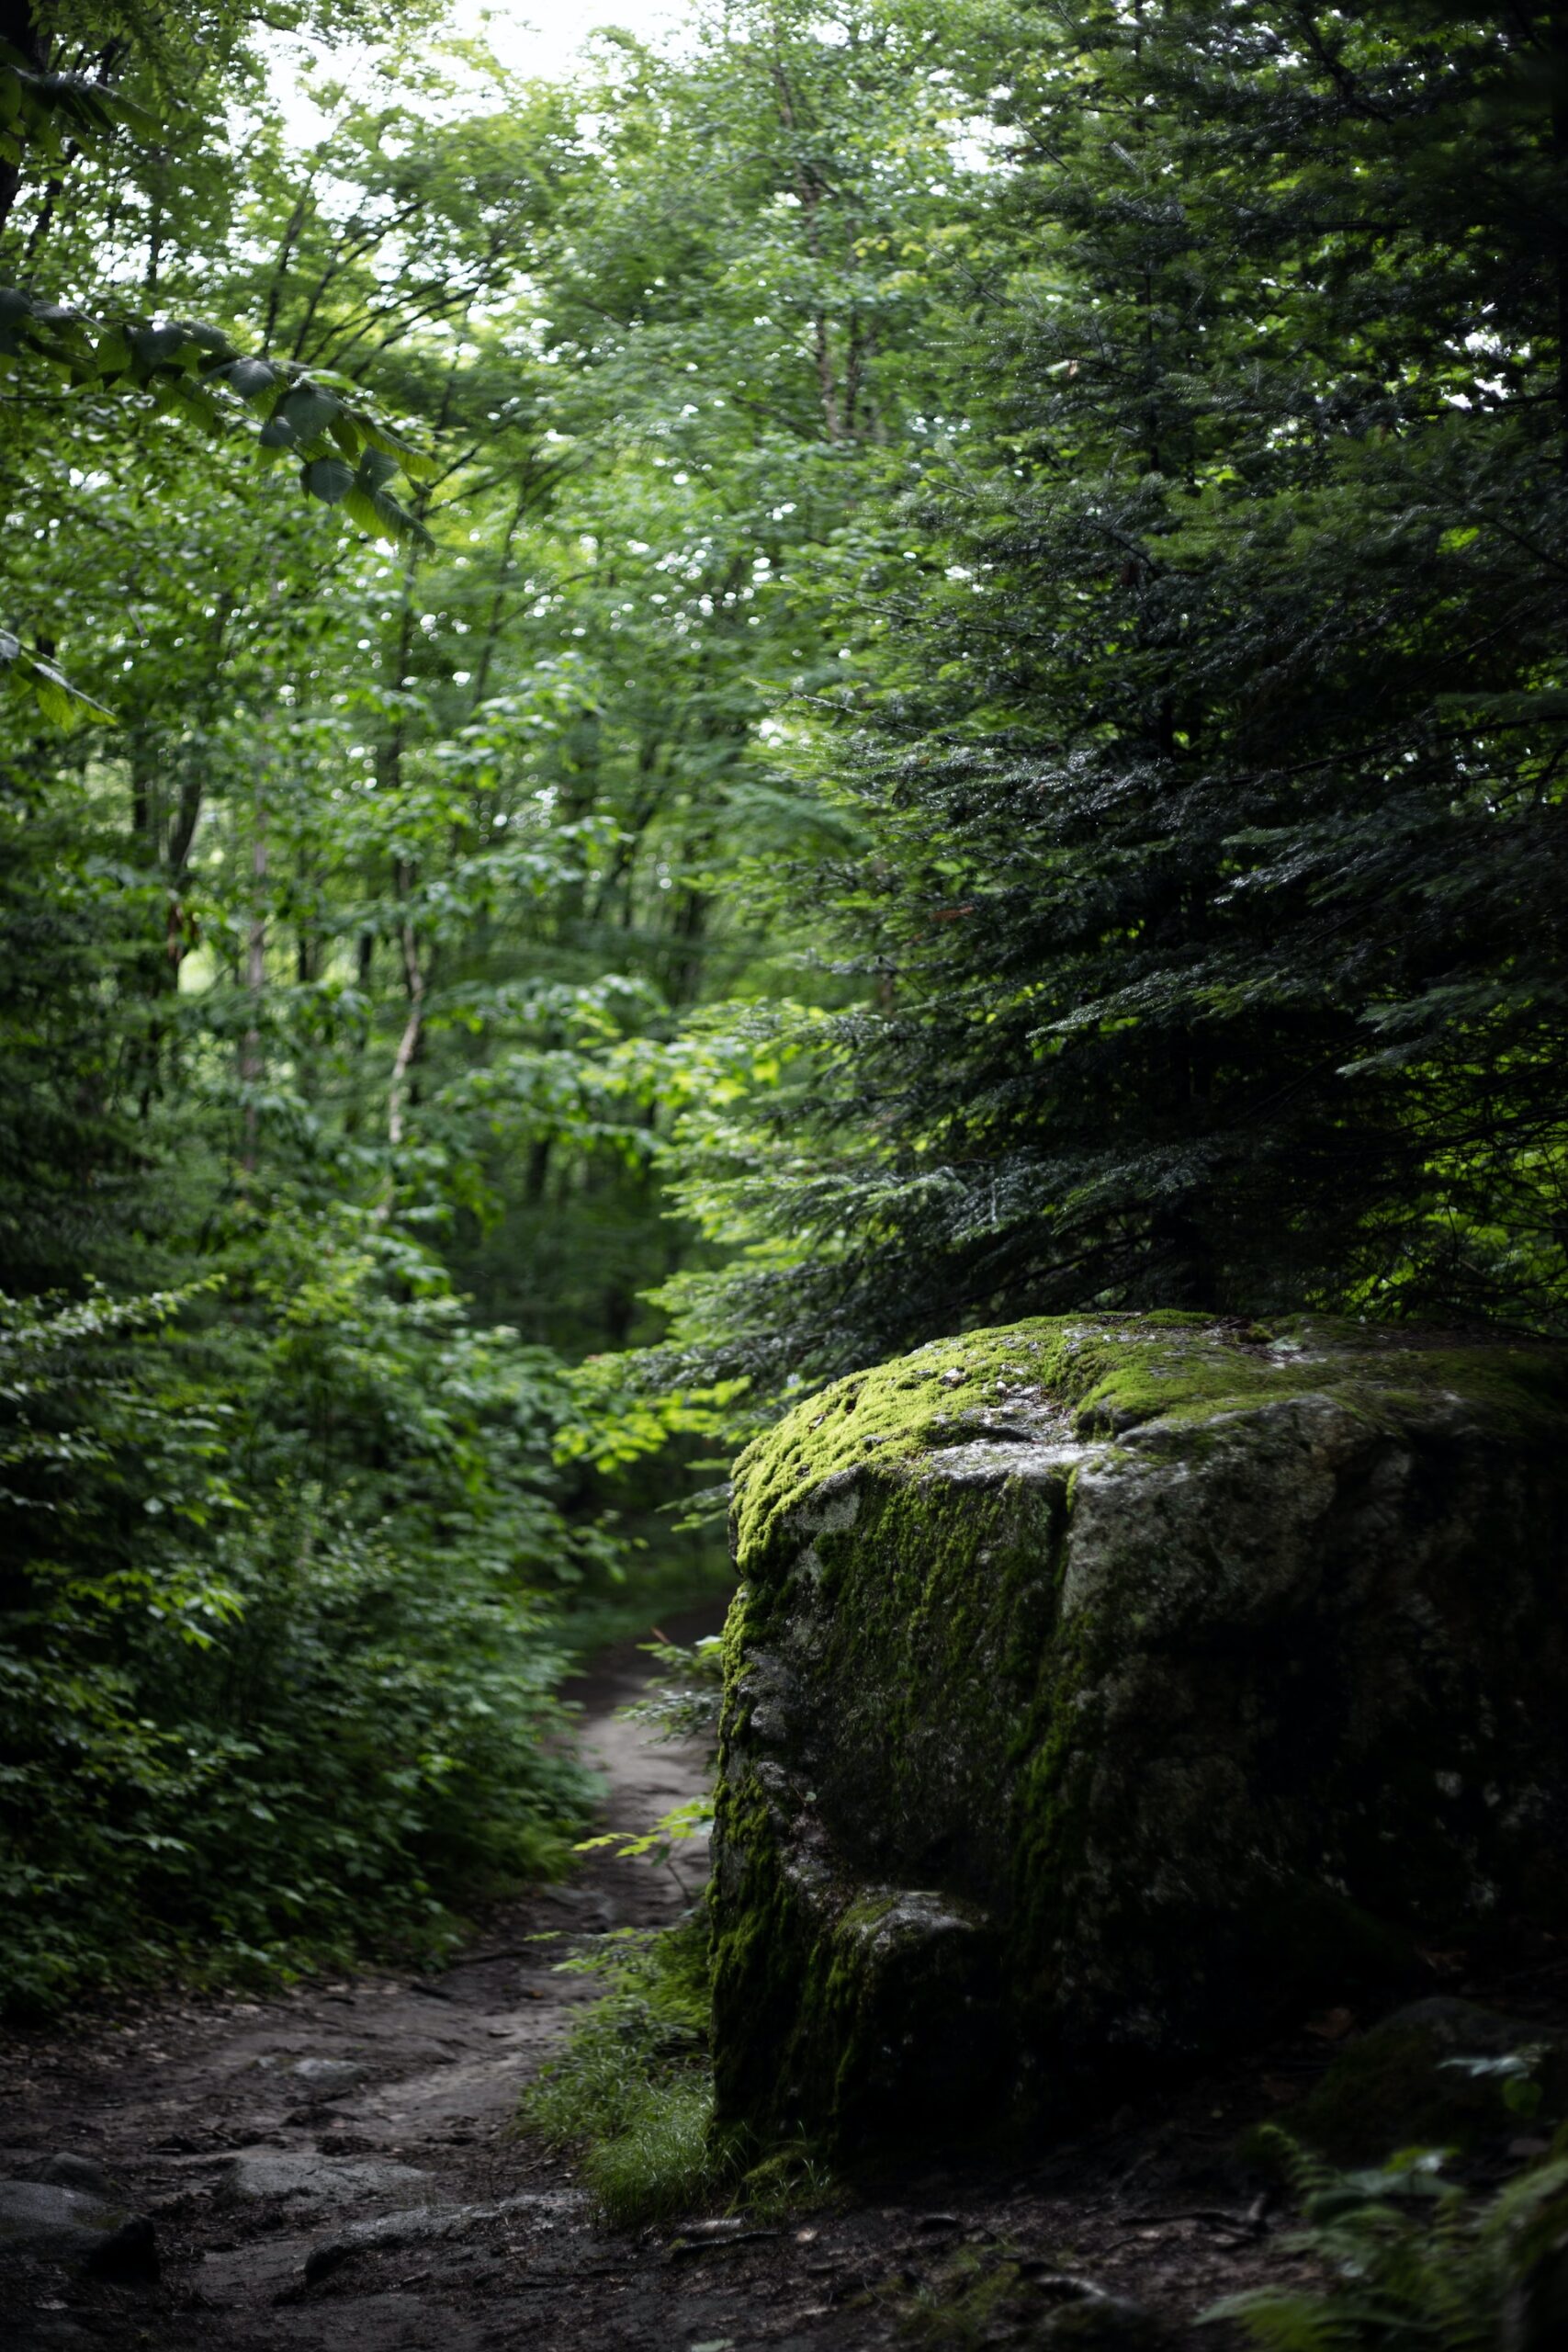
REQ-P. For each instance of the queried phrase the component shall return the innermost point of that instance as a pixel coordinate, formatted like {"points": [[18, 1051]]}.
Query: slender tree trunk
{"points": [[409, 1043], [255, 963]]}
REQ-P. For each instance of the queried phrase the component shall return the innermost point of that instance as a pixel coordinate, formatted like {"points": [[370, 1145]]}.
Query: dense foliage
{"points": [[355, 889], [1209, 756], [239, 1710]]}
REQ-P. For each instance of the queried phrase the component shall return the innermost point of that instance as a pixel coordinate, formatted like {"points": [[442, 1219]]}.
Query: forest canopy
{"points": [[896, 664]]}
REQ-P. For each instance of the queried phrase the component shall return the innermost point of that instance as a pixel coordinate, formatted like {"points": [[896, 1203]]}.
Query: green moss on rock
{"points": [[1096, 1685]]}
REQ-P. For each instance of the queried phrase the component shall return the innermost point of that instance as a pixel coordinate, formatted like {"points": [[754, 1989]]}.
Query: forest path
{"points": [[364, 2127], [371, 2114]]}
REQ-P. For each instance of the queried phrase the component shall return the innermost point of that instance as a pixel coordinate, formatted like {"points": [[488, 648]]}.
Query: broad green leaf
{"points": [[112, 351], [307, 411], [249, 378], [155, 346], [57, 701], [330, 478]]}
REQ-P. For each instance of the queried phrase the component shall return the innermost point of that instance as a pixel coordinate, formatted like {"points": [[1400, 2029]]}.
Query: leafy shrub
{"points": [[685, 1697], [276, 1652], [684, 1702]]}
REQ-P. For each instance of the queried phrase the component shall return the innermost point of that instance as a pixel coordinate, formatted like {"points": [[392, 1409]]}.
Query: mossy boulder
{"points": [[1438, 2074], [1100, 1688]]}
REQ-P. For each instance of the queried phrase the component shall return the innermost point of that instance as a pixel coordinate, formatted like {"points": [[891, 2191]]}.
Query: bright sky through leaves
{"points": [[542, 42]]}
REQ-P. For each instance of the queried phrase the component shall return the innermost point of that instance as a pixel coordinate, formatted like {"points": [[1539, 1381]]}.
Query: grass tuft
{"points": [[631, 2094], [661, 2162]]}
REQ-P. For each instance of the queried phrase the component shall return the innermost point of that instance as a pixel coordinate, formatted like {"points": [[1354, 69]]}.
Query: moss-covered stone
{"points": [[1438, 2074], [1099, 1687]]}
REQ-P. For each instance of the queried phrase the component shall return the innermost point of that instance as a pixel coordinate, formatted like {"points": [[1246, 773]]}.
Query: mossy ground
{"points": [[1414, 2082]]}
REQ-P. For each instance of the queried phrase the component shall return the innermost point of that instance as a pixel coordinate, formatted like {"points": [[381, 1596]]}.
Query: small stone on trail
{"points": [[326, 2077]]}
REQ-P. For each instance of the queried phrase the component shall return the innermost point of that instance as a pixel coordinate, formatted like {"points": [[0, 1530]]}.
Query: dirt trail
{"points": [[362, 2129], [371, 2113]]}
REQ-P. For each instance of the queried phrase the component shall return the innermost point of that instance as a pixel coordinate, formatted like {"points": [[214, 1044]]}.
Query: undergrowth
{"points": [[632, 2092], [1414, 2262], [279, 1564]]}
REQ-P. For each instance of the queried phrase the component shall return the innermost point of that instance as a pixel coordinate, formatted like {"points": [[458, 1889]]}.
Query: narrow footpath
{"points": [[336, 2170]]}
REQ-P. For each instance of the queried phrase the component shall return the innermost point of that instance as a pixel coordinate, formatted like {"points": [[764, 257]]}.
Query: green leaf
{"points": [[62, 704], [330, 478], [207, 339], [377, 435], [178, 392], [155, 346], [249, 378], [112, 352], [15, 317], [384, 518], [307, 411], [376, 469]]}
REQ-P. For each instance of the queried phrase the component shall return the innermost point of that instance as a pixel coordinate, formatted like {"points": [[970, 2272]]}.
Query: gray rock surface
{"points": [[327, 2077], [1100, 1688], [50, 2217], [49, 2221], [418, 2224], [82, 2173], [313, 2180]]}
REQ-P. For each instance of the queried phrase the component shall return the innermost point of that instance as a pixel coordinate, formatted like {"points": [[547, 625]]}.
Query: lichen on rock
{"points": [[1101, 1686]]}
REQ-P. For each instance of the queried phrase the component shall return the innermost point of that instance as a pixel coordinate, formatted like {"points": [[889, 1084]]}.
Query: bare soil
{"points": [[430, 2227]]}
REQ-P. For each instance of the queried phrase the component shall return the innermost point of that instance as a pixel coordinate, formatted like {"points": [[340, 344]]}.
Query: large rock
{"points": [[1438, 2074], [1100, 1688], [314, 2179], [49, 2221]]}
